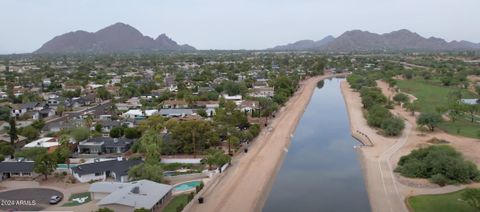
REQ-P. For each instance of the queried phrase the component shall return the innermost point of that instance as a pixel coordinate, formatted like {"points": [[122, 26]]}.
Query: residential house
{"points": [[107, 125], [47, 142], [116, 169], [20, 110], [100, 145], [248, 106], [133, 114], [175, 104], [17, 170], [176, 112], [266, 92], [130, 196]]}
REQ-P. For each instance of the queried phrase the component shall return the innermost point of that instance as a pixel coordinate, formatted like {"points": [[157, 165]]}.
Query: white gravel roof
{"points": [[149, 193]]}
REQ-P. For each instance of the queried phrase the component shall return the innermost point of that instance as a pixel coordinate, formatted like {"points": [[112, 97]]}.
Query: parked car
{"points": [[55, 199]]}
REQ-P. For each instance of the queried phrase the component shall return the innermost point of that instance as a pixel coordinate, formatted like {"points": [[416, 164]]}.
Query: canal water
{"points": [[321, 171]]}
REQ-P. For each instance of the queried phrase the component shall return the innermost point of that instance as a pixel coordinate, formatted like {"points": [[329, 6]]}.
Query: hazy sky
{"points": [[234, 24]]}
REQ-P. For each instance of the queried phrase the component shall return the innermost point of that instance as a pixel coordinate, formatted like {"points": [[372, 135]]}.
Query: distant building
{"points": [[470, 101]]}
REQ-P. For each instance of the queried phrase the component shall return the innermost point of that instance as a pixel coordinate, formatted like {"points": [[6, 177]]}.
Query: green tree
{"points": [[116, 132], [6, 149], [80, 134], [215, 157], [98, 127], [5, 113], [412, 107], [194, 135], [30, 132], [131, 133], [31, 153], [38, 124], [12, 132], [45, 165], [147, 171], [103, 93], [430, 120]]}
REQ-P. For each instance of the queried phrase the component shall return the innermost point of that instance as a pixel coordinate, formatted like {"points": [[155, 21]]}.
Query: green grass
{"points": [[431, 95], [439, 203], [78, 195], [175, 202]]}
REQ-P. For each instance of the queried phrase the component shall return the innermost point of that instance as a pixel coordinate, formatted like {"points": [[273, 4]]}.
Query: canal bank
{"points": [[321, 170], [243, 186]]}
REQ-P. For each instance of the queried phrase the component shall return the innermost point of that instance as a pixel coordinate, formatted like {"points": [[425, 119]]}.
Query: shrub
{"points": [[439, 179], [371, 97], [376, 115], [433, 161], [400, 97], [393, 126]]}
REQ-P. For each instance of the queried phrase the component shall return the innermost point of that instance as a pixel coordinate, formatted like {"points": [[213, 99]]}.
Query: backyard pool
{"points": [[187, 186]]}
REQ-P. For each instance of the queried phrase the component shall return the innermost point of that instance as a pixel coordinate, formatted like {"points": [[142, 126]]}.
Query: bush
{"points": [[199, 187], [393, 126], [433, 161], [439, 179], [376, 115], [400, 97], [2, 158], [371, 97]]}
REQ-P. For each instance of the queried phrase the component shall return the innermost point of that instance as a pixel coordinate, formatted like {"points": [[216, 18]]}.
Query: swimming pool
{"points": [[187, 186]]}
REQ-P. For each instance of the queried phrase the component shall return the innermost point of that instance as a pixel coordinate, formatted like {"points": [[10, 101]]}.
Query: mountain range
{"points": [[364, 41], [117, 38], [123, 38]]}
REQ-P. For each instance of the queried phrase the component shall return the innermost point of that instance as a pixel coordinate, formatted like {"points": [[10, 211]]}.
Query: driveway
{"points": [[28, 199]]}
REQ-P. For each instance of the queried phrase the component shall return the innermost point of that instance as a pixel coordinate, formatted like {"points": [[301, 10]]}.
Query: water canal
{"points": [[321, 171]]}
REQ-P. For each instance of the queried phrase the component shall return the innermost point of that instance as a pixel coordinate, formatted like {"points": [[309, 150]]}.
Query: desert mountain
{"points": [[117, 38]]}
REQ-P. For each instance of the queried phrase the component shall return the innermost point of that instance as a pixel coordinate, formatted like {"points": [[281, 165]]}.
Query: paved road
{"points": [[100, 108], [28, 199], [390, 187]]}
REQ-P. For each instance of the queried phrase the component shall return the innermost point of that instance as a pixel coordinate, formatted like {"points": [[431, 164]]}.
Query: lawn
{"points": [[78, 199], [439, 203], [175, 202], [431, 96]]}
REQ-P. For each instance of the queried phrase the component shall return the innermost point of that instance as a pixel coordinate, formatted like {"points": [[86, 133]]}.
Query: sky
{"points": [[234, 24]]}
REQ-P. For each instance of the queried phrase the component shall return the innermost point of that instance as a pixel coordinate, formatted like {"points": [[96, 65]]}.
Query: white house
{"points": [[48, 142], [134, 113], [130, 196]]}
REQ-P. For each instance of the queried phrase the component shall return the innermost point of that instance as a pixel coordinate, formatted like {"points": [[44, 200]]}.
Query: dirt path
{"points": [[246, 184], [382, 187]]}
